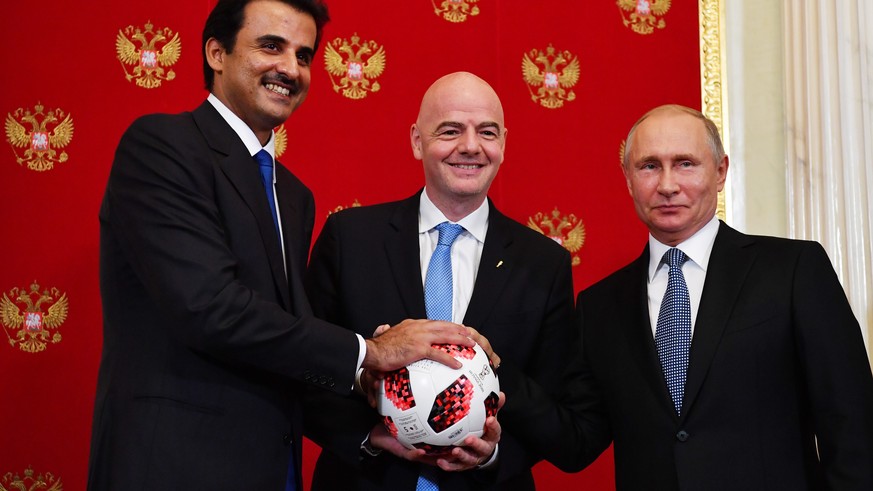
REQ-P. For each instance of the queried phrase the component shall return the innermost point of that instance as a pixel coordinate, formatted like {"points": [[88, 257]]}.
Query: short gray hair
{"points": [[712, 136]]}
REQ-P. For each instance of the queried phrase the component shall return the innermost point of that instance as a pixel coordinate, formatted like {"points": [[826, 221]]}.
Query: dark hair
{"points": [[226, 19]]}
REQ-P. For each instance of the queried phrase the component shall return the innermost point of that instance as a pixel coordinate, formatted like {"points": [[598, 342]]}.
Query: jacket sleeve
{"points": [[837, 371], [162, 211]]}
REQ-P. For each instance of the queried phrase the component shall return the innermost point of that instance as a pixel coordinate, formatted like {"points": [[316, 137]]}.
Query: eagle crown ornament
{"points": [[30, 326], [146, 60], [31, 481], [362, 62], [566, 230], [456, 10], [645, 15], [560, 72], [41, 142]]}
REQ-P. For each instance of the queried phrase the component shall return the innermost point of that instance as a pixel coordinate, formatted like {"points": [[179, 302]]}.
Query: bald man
{"points": [[512, 284]]}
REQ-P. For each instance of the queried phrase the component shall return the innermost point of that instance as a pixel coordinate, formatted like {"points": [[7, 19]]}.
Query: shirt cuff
{"points": [[362, 353], [368, 450], [491, 461]]}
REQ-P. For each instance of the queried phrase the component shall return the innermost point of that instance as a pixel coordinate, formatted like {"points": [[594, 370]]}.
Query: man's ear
{"points": [[626, 173], [214, 52], [722, 172], [415, 141]]}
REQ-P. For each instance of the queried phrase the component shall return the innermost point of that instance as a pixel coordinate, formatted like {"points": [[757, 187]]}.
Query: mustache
{"points": [[283, 80]]}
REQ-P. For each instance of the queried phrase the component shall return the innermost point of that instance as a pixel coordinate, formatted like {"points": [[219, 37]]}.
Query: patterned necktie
{"points": [[265, 163], [438, 304], [438, 281], [673, 331]]}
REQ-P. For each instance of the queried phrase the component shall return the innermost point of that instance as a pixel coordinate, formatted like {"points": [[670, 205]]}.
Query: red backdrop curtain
{"points": [[69, 92]]}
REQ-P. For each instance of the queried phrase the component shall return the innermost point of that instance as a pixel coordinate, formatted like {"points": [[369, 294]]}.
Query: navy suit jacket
{"points": [[206, 341], [365, 271], [779, 393]]}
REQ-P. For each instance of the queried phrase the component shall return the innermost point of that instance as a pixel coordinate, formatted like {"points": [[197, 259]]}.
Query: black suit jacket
{"points": [[777, 362], [365, 271], [205, 339]]}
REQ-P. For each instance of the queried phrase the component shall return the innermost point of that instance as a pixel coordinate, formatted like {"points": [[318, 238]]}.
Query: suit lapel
{"points": [[402, 249], [293, 231], [637, 329], [236, 163], [495, 268], [729, 264]]}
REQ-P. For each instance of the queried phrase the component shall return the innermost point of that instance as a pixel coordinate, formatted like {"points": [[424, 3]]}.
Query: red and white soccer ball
{"points": [[432, 406]]}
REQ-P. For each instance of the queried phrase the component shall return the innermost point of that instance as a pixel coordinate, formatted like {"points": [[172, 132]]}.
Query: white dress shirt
{"points": [[698, 248], [466, 249], [253, 145], [465, 253]]}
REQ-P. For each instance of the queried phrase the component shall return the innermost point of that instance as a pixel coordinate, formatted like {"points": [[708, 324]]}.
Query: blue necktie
{"points": [[673, 331], [438, 304], [265, 163], [438, 281]]}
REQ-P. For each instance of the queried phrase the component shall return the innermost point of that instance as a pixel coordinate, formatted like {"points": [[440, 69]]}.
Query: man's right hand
{"points": [[413, 340]]}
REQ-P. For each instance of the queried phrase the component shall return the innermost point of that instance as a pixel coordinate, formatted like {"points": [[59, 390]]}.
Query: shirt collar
{"points": [[429, 216], [698, 248], [242, 130]]}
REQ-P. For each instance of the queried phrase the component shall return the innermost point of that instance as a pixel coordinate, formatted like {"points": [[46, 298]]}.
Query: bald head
{"points": [[459, 137], [463, 87]]}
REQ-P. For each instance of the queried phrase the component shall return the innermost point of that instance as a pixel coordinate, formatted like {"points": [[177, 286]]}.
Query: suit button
{"points": [[682, 436], [286, 439]]}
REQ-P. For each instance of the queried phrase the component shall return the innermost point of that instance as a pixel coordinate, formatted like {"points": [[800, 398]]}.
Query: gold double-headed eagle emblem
{"points": [[356, 63], [566, 230], [281, 140], [355, 204], [455, 10], [30, 481], [643, 16], [49, 130], [42, 311], [158, 49], [552, 73]]}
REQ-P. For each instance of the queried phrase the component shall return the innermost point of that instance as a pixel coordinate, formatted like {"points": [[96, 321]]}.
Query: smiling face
{"points": [[672, 175], [266, 76], [459, 137]]}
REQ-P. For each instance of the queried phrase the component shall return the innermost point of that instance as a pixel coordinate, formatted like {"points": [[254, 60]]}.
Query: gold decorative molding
{"points": [[713, 81]]}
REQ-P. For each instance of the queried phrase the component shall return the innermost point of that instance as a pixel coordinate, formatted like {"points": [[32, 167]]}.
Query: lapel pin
{"points": [[499, 263]]}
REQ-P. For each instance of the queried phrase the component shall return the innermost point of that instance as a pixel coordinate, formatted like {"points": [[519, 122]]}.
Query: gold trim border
{"points": [[713, 81]]}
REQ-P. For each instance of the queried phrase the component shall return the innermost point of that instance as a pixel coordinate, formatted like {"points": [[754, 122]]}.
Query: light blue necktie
{"points": [[673, 331], [265, 163], [438, 281], [438, 304]]}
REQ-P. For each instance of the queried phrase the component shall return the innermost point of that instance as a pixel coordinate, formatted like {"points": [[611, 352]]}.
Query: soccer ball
{"points": [[431, 406]]}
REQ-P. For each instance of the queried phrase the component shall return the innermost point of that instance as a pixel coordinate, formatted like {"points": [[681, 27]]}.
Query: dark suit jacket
{"points": [[365, 271], [204, 338], [777, 361]]}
